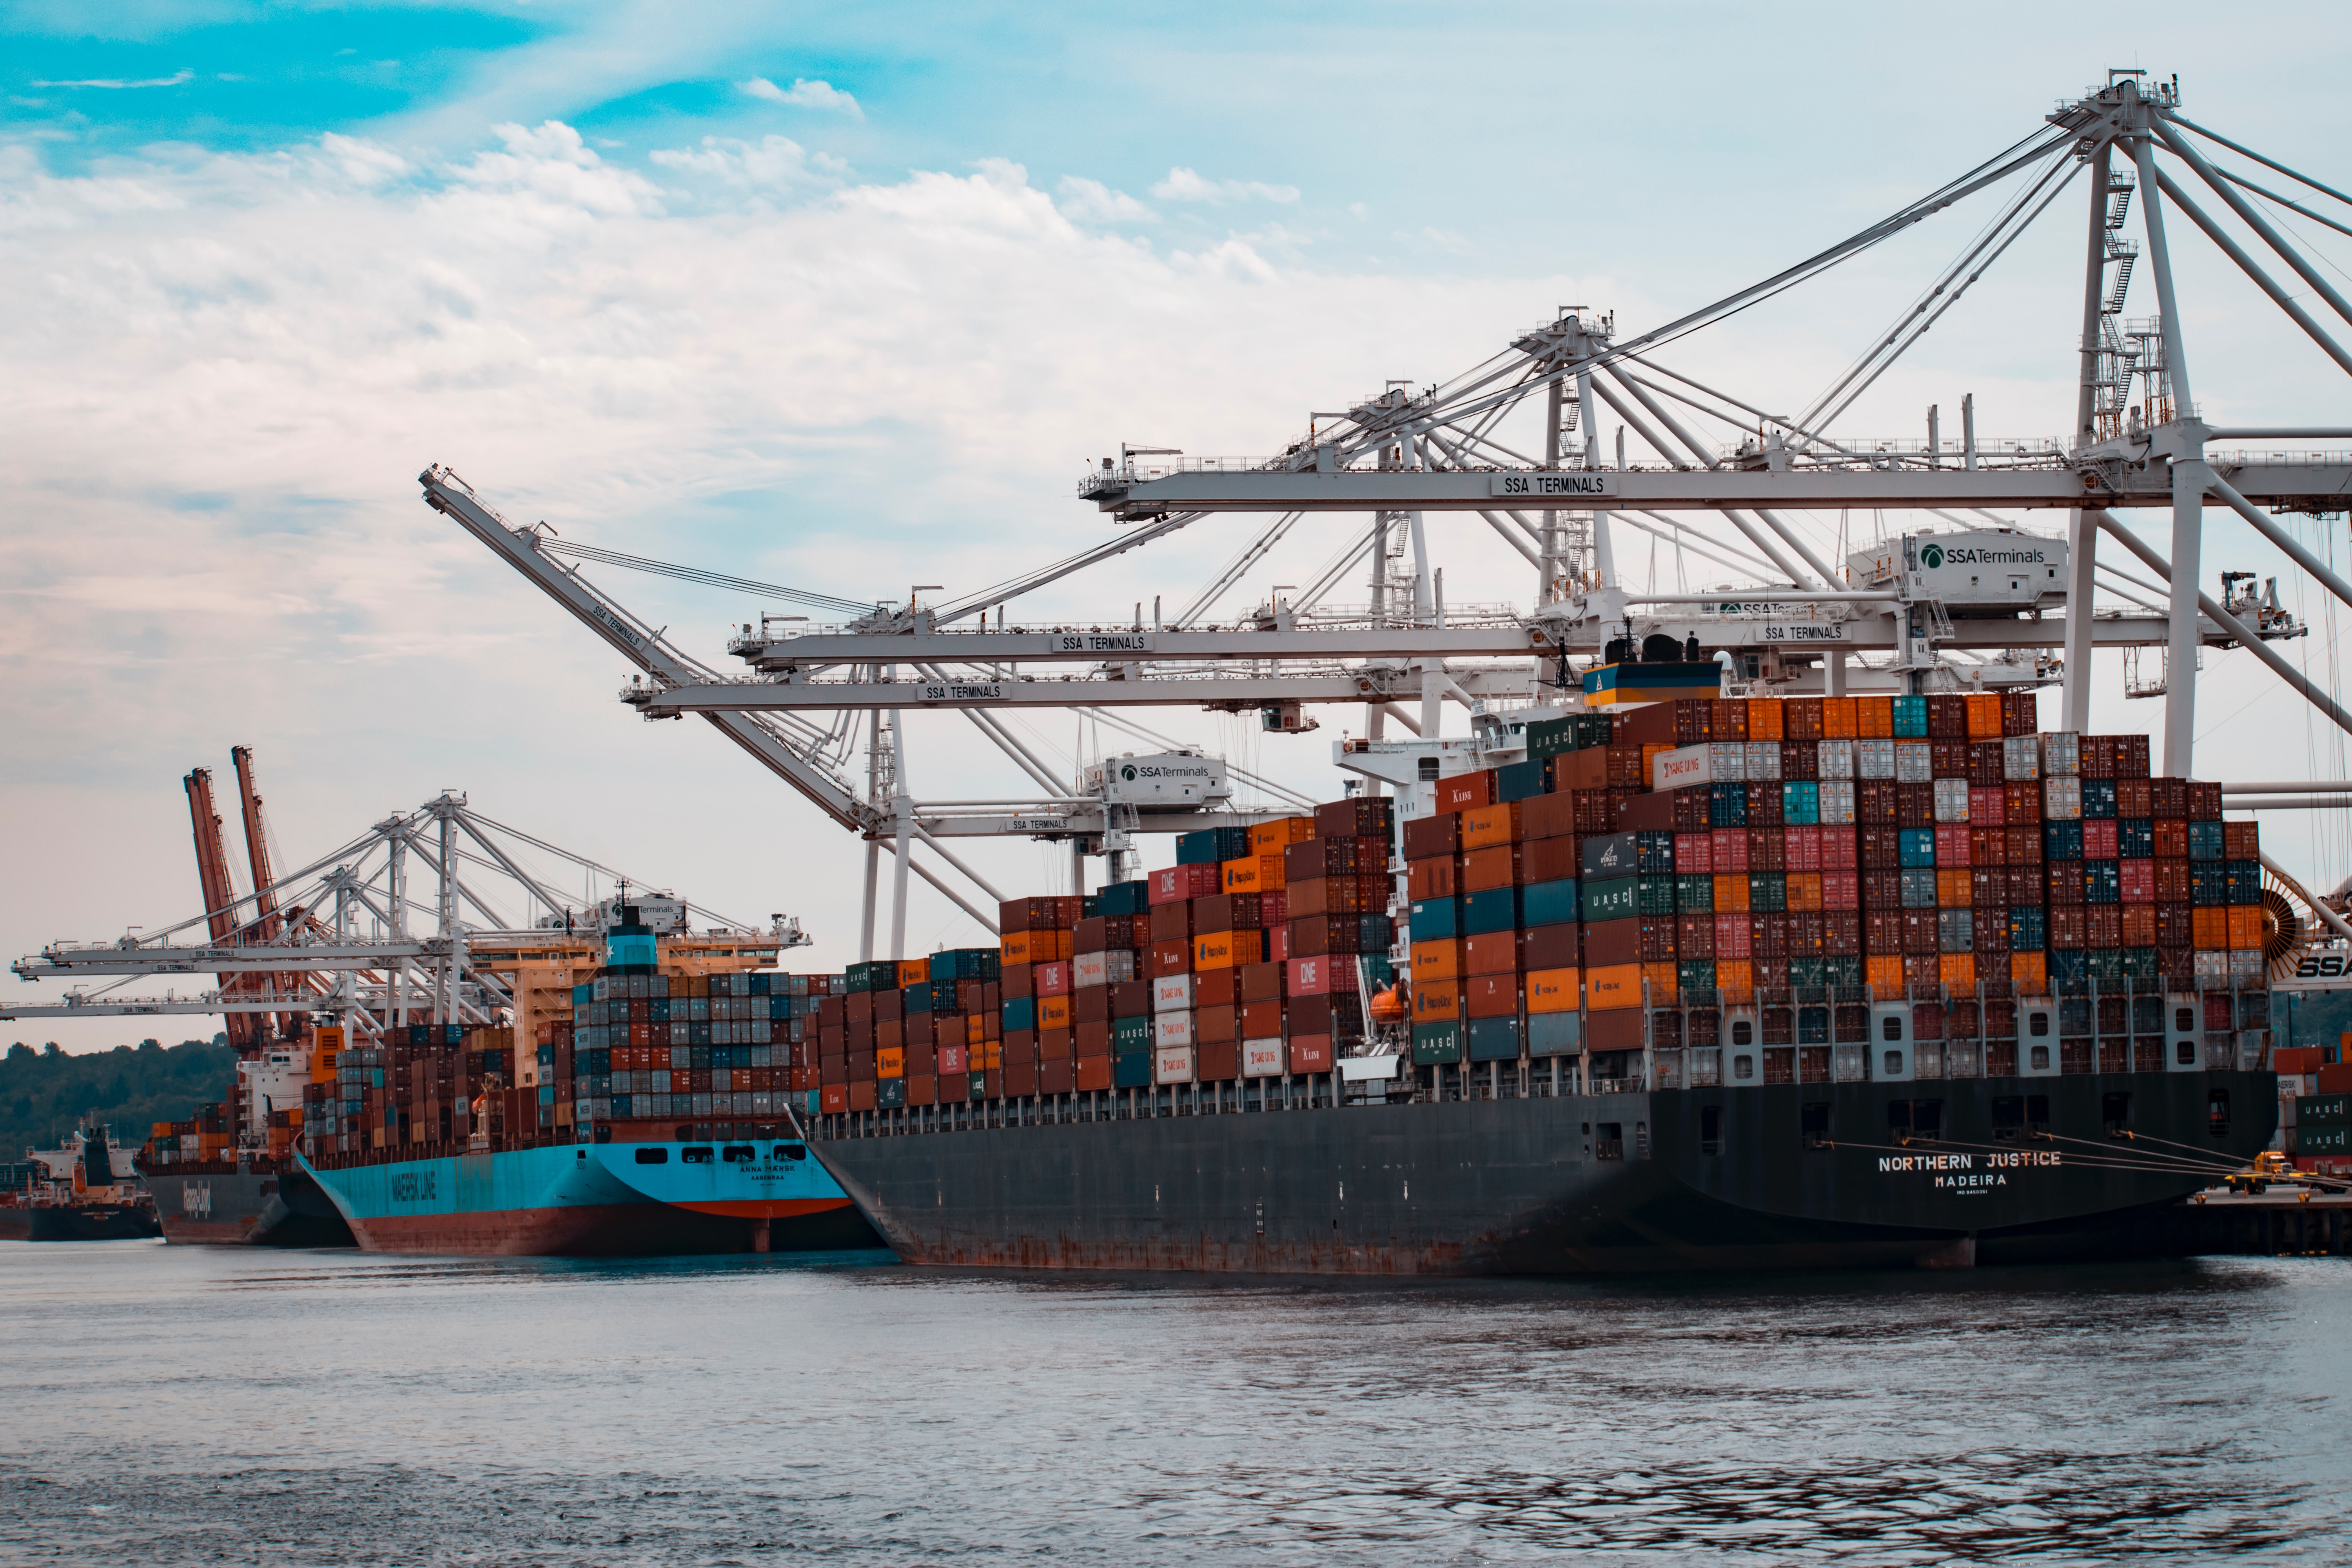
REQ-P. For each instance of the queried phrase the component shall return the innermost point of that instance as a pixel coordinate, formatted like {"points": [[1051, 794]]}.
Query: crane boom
{"points": [[642, 646], [219, 888]]}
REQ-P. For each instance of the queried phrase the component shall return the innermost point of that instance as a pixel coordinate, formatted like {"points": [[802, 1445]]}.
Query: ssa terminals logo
{"points": [[1932, 557], [1127, 774]]}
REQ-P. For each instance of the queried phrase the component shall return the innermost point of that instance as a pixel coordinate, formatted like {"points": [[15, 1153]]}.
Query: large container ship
{"points": [[580, 1145], [1704, 983]]}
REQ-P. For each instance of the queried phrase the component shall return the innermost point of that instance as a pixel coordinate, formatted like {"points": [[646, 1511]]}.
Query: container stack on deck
{"points": [[647, 1053], [2315, 1107], [915, 1033], [1714, 854]]}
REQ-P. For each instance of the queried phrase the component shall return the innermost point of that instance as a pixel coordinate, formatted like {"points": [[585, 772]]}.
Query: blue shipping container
{"points": [[1436, 920], [1496, 908], [1550, 903], [1494, 1039]]}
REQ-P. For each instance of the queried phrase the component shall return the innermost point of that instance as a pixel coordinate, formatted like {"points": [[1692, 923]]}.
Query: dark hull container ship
{"points": [[1780, 1176], [1699, 983]]}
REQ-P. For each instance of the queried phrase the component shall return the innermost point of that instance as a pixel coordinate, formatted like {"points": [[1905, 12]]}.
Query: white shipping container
{"points": [[1716, 762], [1170, 1030], [1119, 966], [2020, 758], [1951, 800], [1172, 1064], [1264, 1058], [2245, 965], [2062, 755], [1837, 759], [2061, 800], [1837, 803], [1873, 758], [1763, 762], [1171, 994], [1090, 969], [1915, 762], [2212, 967]]}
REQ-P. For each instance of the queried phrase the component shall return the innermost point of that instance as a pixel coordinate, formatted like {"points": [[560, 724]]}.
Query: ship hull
{"points": [[91, 1222], [1525, 1186], [236, 1208], [601, 1200]]}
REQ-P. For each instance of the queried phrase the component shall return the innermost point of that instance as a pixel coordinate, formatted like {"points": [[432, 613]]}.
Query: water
{"points": [[170, 1405]]}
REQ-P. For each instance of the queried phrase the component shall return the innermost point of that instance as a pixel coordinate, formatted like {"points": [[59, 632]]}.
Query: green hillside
{"points": [[43, 1092]]}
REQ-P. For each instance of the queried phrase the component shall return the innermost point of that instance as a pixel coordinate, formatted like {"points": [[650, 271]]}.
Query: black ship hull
{"points": [[1537, 1187], [93, 1222], [225, 1207]]}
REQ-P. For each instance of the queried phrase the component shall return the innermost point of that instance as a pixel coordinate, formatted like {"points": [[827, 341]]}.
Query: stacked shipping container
{"points": [[1711, 852]]}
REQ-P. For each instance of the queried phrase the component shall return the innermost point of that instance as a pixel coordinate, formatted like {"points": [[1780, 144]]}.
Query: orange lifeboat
{"points": [[1387, 1007]]}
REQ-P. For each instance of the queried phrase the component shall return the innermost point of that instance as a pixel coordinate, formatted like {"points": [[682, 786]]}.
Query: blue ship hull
{"points": [[601, 1200]]}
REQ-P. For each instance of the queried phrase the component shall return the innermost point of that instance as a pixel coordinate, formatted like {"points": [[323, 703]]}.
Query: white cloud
{"points": [[119, 84], [804, 95], [1184, 185], [225, 373], [776, 162], [1091, 201]]}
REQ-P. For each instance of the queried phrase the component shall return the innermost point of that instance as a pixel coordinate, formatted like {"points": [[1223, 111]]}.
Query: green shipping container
{"points": [[1618, 899], [1435, 1044], [1693, 893], [2307, 1139], [1130, 1034], [2323, 1109]]}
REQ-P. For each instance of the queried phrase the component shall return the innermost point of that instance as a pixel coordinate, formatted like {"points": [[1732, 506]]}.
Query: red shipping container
{"points": [[1321, 975], [1466, 792], [1174, 884], [1952, 843], [1491, 996], [1841, 933], [2020, 803], [1987, 846], [1839, 851], [1919, 931], [1989, 804], [1988, 887], [1310, 1053], [1438, 876], [1171, 958], [1881, 932], [1694, 936], [2024, 845], [1731, 851], [1053, 978], [2069, 927], [1801, 848], [2103, 925], [1841, 889], [1492, 953], [1554, 859], [2138, 925], [2099, 838], [2138, 879], [2061, 884], [1218, 1063], [1694, 854], [2132, 798], [1768, 850], [1731, 937], [1881, 849], [1881, 889]]}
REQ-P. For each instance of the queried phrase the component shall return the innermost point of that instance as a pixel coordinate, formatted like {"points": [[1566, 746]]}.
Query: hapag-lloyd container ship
{"points": [[1884, 981]]}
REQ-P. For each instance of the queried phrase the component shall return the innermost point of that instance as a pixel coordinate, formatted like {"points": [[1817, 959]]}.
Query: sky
{"points": [[846, 298]]}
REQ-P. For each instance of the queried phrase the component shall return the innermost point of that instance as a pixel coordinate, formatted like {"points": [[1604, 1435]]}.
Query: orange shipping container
{"points": [[1838, 718], [1764, 716], [1242, 876], [1952, 890], [1958, 970], [1436, 961], [1437, 1001], [1883, 973], [913, 971], [1804, 890], [1488, 826], [1555, 991], [1271, 877], [1661, 979], [1228, 949], [1485, 870], [1734, 977], [1614, 985], [1053, 1012], [975, 1029], [2245, 927], [1274, 837], [889, 1062], [2208, 928], [2029, 971], [1731, 893], [1984, 717], [1036, 947], [1874, 718]]}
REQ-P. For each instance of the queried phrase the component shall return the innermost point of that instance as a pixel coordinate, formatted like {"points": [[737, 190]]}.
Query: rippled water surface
{"points": [[168, 1404]]}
